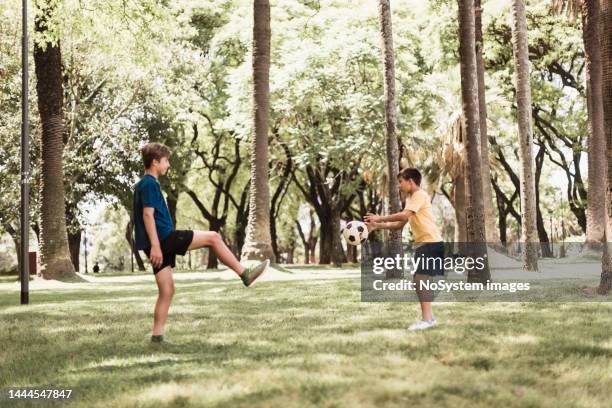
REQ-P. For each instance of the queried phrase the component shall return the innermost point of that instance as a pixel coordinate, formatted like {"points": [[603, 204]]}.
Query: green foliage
{"points": [[180, 73]]}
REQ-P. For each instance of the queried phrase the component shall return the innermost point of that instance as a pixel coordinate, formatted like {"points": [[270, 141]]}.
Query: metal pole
{"points": [[552, 237], [25, 161], [85, 247]]}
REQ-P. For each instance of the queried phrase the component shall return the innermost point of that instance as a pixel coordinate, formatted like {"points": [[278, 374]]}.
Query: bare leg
{"points": [[424, 296], [165, 285], [213, 240]]}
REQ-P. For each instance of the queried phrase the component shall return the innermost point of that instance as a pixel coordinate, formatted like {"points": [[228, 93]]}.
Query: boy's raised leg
{"points": [[213, 240]]}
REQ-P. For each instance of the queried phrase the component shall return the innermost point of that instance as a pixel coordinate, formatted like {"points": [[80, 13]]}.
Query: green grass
{"points": [[302, 344]]}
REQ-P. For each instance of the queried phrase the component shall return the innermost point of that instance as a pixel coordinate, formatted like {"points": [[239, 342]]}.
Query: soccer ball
{"points": [[355, 232]]}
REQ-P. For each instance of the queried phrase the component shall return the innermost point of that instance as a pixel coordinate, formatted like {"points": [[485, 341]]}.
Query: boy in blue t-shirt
{"points": [[155, 234]]}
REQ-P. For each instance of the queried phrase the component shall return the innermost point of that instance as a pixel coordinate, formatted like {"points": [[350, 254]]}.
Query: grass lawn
{"points": [[299, 344]]}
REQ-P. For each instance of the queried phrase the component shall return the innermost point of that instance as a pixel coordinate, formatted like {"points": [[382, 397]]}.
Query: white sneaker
{"points": [[422, 325]]}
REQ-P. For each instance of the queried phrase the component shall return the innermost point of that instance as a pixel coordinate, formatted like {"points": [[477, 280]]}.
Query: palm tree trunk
{"points": [[529, 233], [258, 243], [605, 38], [469, 96], [491, 227], [54, 252], [596, 196], [384, 13]]}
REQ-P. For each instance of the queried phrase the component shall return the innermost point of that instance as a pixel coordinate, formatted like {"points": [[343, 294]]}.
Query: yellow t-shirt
{"points": [[422, 222]]}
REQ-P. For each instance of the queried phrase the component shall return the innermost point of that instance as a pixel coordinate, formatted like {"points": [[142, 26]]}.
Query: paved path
{"points": [[503, 268]]}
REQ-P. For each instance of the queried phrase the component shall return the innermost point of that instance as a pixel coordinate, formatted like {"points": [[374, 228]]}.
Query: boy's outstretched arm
{"points": [[402, 216], [149, 222], [395, 225]]}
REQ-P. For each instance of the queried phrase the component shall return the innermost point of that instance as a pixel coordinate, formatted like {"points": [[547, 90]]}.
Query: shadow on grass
{"points": [[292, 344]]}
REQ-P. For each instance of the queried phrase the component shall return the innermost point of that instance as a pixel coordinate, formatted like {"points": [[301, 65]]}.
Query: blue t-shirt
{"points": [[147, 193]]}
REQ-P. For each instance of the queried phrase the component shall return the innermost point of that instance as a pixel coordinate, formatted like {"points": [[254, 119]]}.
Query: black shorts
{"points": [[176, 243], [432, 259]]}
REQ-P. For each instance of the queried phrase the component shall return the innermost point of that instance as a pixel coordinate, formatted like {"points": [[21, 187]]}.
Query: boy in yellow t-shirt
{"points": [[429, 244]]}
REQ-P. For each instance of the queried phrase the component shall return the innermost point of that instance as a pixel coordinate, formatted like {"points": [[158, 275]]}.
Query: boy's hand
{"points": [[371, 226], [371, 218], [156, 256]]}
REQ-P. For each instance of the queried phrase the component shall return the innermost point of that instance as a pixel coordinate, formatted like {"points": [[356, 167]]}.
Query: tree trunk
{"points": [[305, 242], [385, 21], [505, 206], [503, 226], [330, 247], [74, 243], [469, 96], [523, 93], [274, 240], [596, 198], [459, 202], [258, 243], [213, 261], [351, 254], [490, 224], [54, 250], [129, 237], [241, 222], [313, 255], [290, 253], [15, 235], [605, 37], [545, 246], [172, 201]]}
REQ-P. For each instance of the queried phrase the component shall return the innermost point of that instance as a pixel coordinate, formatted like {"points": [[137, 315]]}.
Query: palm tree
{"points": [[490, 219], [529, 232], [469, 96], [596, 196], [54, 252], [258, 243], [605, 36], [386, 32]]}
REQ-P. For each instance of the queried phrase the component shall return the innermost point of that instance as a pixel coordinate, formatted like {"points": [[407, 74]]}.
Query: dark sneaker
{"points": [[251, 274]]}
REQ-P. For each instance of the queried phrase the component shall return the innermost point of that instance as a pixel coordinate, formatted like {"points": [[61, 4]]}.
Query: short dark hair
{"points": [[410, 174], [154, 151]]}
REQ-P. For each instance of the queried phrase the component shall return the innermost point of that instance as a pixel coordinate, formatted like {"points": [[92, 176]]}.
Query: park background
{"points": [[181, 73]]}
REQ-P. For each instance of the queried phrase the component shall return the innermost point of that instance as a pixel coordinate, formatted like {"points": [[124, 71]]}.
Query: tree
{"points": [[523, 95], [596, 197], [55, 254], [605, 33], [258, 244], [10, 123], [222, 167], [491, 230], [310, 241], [386, 32], [469, 97], [285, 171], [596, 205]]}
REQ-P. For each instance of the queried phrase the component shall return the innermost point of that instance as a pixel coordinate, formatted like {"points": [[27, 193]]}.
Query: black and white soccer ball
{"points": [[355, 232]]}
